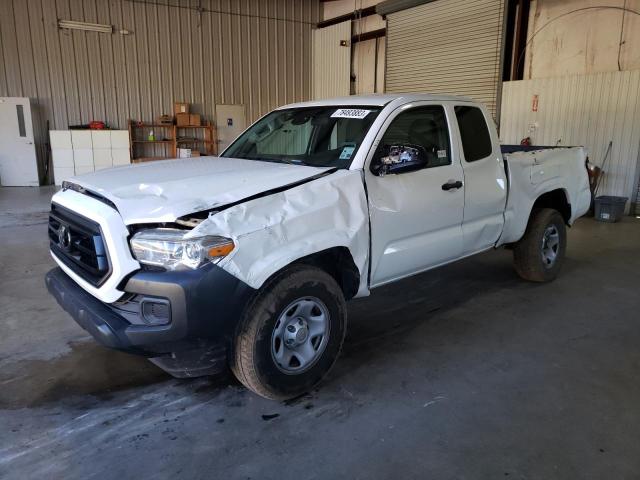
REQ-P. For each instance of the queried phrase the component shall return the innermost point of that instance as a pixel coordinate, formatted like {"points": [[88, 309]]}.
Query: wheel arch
{"points": [[558, 199], [337, 262]]}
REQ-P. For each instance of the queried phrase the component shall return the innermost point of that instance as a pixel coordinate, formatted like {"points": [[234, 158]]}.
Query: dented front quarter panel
{"points": [[273, 231]]}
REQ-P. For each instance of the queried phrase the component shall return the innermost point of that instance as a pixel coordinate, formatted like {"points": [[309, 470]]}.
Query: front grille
{"points": [[78, 243]]}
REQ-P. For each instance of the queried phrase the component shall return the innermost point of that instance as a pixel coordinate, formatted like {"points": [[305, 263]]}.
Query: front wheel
{"points": [[538, 256], [291, 334]]}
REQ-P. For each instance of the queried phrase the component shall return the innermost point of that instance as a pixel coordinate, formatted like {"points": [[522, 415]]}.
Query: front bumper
{"points": [[205, 304]]}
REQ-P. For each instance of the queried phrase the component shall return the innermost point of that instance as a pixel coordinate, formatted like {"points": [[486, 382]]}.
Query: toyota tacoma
{"points": [[247, 259]]}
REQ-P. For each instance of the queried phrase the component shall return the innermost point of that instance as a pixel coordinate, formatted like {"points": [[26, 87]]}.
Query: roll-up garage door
{"points": [[447, 46]]}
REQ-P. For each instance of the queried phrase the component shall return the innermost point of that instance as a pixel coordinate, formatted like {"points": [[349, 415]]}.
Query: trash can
{"points": [[609, 209]]}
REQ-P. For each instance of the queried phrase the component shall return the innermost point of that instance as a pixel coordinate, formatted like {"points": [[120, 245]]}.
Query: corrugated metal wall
{"points": [[331, 61], [586, 110], [447, 46], [252, 52]]}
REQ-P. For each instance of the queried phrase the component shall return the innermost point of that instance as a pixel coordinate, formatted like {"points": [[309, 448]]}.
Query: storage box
{"points": [[82, 157], [195, 153], [180, 107], [81, 139], [102, 158], [609, 209], [119, 139], [183, 119], [120, 156], [101, 139], [194, 119], [62, 158], [184, 153], [60, 139]]}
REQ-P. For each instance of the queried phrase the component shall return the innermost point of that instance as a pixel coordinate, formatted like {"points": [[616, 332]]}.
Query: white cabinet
{"points": [[76, 152]]}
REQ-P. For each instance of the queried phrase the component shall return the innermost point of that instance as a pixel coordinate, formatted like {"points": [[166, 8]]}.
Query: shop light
{"points": [[89, 27]]}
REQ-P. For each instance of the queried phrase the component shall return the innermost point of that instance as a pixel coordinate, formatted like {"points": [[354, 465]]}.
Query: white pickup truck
{"points": [[247, 259]]}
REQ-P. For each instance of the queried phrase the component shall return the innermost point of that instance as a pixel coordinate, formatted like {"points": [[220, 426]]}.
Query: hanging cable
{"points": [[201, 9], [603, 7]]}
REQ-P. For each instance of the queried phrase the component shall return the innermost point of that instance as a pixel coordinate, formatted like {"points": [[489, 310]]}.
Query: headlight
{"points": [[167, 247]]}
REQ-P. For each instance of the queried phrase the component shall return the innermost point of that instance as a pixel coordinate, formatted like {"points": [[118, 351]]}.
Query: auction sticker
{"points": [[350, 113]]}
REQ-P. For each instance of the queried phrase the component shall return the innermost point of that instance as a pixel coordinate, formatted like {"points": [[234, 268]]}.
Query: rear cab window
{"points": [[474, 133]]}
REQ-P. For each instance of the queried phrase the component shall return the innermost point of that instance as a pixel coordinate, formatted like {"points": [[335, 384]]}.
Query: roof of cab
{"points": [[377, 99]]}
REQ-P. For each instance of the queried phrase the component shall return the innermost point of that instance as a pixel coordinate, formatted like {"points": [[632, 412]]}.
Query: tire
{"points": [[531, 255], [261, 359]]}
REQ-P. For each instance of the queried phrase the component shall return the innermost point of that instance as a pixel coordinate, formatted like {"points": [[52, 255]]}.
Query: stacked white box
{"points": [[101, 149], [120, 147], [83, 151], [62, 155]]}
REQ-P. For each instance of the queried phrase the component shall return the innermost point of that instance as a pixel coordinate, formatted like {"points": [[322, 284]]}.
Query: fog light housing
{"points": [[155, 311]]}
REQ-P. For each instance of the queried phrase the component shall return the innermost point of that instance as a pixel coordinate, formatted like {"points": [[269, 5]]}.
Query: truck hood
{"points": [[163, 191]]}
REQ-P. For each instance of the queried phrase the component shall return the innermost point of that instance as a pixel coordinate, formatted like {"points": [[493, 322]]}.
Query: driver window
{"points": [[425, 127]]}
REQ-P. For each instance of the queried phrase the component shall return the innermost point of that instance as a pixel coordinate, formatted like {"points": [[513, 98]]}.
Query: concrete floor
{"points": [[463, 372]]}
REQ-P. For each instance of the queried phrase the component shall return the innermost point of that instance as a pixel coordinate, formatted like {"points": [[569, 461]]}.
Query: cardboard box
{"points": [[180, 107], [194, 119], [184, 153], [195, 153], [183, 119]]}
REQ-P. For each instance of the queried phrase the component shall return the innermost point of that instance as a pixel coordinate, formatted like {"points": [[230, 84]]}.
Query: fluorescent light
{"points": [[89, 27]]}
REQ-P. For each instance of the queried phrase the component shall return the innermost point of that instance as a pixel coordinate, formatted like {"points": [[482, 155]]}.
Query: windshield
{"points": [[315, 136]]}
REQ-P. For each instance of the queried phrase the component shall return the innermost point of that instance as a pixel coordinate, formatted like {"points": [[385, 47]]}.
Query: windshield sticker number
{"points": [[442, 154], [350, 113], [346, 153]]}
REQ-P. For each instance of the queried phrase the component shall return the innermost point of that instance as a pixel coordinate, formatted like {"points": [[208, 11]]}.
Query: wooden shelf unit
{"points": [[168, 140]]}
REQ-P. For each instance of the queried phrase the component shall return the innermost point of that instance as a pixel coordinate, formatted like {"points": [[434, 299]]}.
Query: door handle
{"points": [[452, 185]]}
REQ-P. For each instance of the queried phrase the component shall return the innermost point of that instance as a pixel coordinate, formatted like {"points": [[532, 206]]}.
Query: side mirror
{"points": [[395, 159]]}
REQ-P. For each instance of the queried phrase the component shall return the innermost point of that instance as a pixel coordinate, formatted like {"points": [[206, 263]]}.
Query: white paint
{"points": [[18, 164], [115, 236], [164, 190], [414, 222], [273, 231], [564, 170]]}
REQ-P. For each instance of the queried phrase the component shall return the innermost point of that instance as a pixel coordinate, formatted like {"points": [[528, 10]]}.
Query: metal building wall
{"points": [[586, 110], [258, 53], [447, 46]]}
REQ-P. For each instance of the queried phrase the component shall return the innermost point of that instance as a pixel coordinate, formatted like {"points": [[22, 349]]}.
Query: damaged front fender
{"points": [[273, 231]]}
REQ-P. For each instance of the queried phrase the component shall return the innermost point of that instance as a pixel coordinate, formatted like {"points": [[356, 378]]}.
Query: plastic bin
{"points": [[609, 209]]}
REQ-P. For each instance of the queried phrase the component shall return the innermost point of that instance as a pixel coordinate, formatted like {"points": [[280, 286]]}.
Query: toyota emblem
{"points": [[64, 237]]}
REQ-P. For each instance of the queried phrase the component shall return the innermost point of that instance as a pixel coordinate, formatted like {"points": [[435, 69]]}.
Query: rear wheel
{"points": [[290, 334], [539, 255]]}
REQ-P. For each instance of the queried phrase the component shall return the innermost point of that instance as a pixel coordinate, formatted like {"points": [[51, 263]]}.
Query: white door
{"points": [[485, 186], [331, 59], [416, 216], [230, 122], [18, 164]]}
